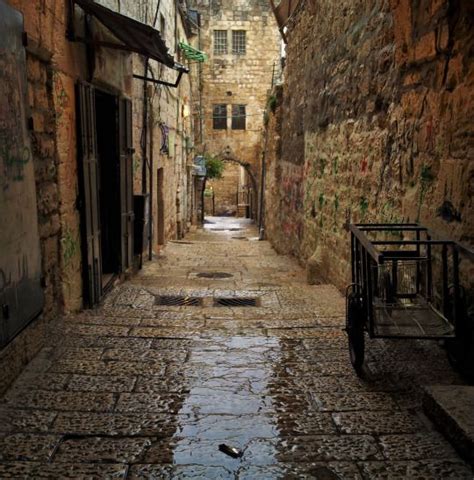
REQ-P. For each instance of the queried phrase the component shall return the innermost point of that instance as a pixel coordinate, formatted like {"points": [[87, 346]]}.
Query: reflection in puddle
{"points": [[229, 403]]}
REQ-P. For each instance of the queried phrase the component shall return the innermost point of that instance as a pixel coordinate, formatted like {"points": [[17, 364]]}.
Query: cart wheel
{"points": [[355, 331]]}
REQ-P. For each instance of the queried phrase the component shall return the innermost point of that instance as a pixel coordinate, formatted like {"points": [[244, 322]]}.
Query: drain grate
{"points": [[178, 301], [236, 302], [214, 275]]}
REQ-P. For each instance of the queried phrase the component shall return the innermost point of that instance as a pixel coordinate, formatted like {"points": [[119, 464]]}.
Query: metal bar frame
{"points": [[365, 256], [161, 82]]}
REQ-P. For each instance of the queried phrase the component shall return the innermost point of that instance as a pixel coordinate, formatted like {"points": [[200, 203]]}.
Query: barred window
{"points": [[238, 117], [220, 42], [219, 117], [239, 42]]}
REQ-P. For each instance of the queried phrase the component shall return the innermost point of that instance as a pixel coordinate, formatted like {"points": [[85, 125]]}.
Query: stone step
{"points": [[451, 408]]}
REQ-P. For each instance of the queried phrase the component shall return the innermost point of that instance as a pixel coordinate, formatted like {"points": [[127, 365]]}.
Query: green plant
{"points": [[272, 103], [426, 178], [214, 166]]}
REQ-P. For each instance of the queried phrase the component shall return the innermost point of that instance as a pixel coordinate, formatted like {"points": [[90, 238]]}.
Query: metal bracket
{"points": [[161, 82]]}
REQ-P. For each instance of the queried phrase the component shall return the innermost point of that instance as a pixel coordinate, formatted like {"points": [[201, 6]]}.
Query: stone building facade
{"points": [[373, 124], [243, 44], [62, 77]]}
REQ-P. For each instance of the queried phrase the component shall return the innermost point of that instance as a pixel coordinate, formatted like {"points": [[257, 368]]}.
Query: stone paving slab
{"points": [[452, 409], [132, 390]]}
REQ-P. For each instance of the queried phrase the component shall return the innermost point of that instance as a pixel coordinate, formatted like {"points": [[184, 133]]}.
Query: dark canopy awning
{"points": [[136, 36]]}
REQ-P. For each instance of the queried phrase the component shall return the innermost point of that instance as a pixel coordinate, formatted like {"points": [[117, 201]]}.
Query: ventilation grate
{"points": [[177, 301], [236, 302], [214, 275], [225, 229]]}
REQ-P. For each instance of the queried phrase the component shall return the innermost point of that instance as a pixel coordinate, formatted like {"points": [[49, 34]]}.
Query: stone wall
{"points": [[54, 65], [237, 79], [169, 126], [40, 97], [375, 125]]}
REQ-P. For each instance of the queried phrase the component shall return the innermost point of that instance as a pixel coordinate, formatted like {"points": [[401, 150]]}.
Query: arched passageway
{"points": [[236, 193]]}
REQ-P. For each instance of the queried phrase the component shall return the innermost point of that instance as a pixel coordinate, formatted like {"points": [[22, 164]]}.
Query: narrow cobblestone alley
{"points": [[136, 389]]}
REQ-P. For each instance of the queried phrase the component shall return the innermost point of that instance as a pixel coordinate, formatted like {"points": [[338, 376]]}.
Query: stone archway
{"points": [[227, 155]]}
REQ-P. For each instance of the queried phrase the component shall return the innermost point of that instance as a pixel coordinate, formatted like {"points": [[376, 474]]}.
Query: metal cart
{"points": [[404, 285]]}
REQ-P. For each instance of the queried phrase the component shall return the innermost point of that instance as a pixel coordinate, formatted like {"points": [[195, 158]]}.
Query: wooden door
{"points": [[126, 182], [89, 198]]}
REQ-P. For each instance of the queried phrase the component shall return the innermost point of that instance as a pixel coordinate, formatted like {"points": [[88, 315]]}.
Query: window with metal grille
{"points": [[220, 42], [239, 42], [238, 117], [219, 117]]}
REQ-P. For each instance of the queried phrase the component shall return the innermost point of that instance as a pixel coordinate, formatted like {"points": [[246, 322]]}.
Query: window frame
{"points": [[239, 120], [221, 48], [219, 121], [239, 44]]}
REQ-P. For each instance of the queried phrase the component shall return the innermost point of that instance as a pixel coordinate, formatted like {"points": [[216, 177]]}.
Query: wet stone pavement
{"points": [[140, 390]]}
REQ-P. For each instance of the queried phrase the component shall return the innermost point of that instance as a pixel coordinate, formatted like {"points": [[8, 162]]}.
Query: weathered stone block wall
{"points": [[40, 97], [54, 65], [376, 125], [238, 79], [169, 114]]}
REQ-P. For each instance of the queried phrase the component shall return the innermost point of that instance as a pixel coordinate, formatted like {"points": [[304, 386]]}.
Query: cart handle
{"points": [[366, 243]]}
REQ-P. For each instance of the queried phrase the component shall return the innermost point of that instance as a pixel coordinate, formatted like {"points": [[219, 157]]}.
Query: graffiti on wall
{"points": [[14, 153]]}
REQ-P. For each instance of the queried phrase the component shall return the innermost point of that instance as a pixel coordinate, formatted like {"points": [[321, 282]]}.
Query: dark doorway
{"points": [[105, 157], [160, 207], [109, 184]]}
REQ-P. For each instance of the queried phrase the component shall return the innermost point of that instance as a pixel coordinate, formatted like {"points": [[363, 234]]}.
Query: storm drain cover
{"points": [[236, 302], [214, 275], [178, 301], [239, 238]]}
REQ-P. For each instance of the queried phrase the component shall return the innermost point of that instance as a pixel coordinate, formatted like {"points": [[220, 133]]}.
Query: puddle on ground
{"points": [[230, 404]]}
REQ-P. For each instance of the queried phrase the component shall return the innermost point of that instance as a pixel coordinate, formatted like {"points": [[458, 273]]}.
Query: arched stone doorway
{"points": [[236, 194]]}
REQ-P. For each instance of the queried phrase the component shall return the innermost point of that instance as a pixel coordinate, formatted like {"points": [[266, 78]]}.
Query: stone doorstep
{"points": [[451, 408]]}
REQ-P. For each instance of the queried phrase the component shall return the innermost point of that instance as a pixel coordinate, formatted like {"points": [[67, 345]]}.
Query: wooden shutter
{"points": [[126, 181], [89, 185]]}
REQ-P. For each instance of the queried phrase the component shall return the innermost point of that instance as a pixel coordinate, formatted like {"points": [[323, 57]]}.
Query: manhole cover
{"points": [[214, 275], [178, 301], [236, 302]]}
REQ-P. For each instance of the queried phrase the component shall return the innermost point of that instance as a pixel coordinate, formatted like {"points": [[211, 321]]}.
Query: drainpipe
{"points": [[201, 120], [261, 215], [145, 128], [150, 198], [150, 163]]}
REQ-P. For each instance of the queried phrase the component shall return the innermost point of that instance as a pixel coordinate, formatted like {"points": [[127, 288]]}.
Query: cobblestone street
{"points": [[142, 388]]}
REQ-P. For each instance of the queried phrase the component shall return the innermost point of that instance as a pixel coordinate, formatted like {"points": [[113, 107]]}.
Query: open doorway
{"points": [[109, 184]]}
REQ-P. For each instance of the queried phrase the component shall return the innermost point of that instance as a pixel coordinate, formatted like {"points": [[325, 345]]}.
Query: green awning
{"points": [[191, 53]]}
